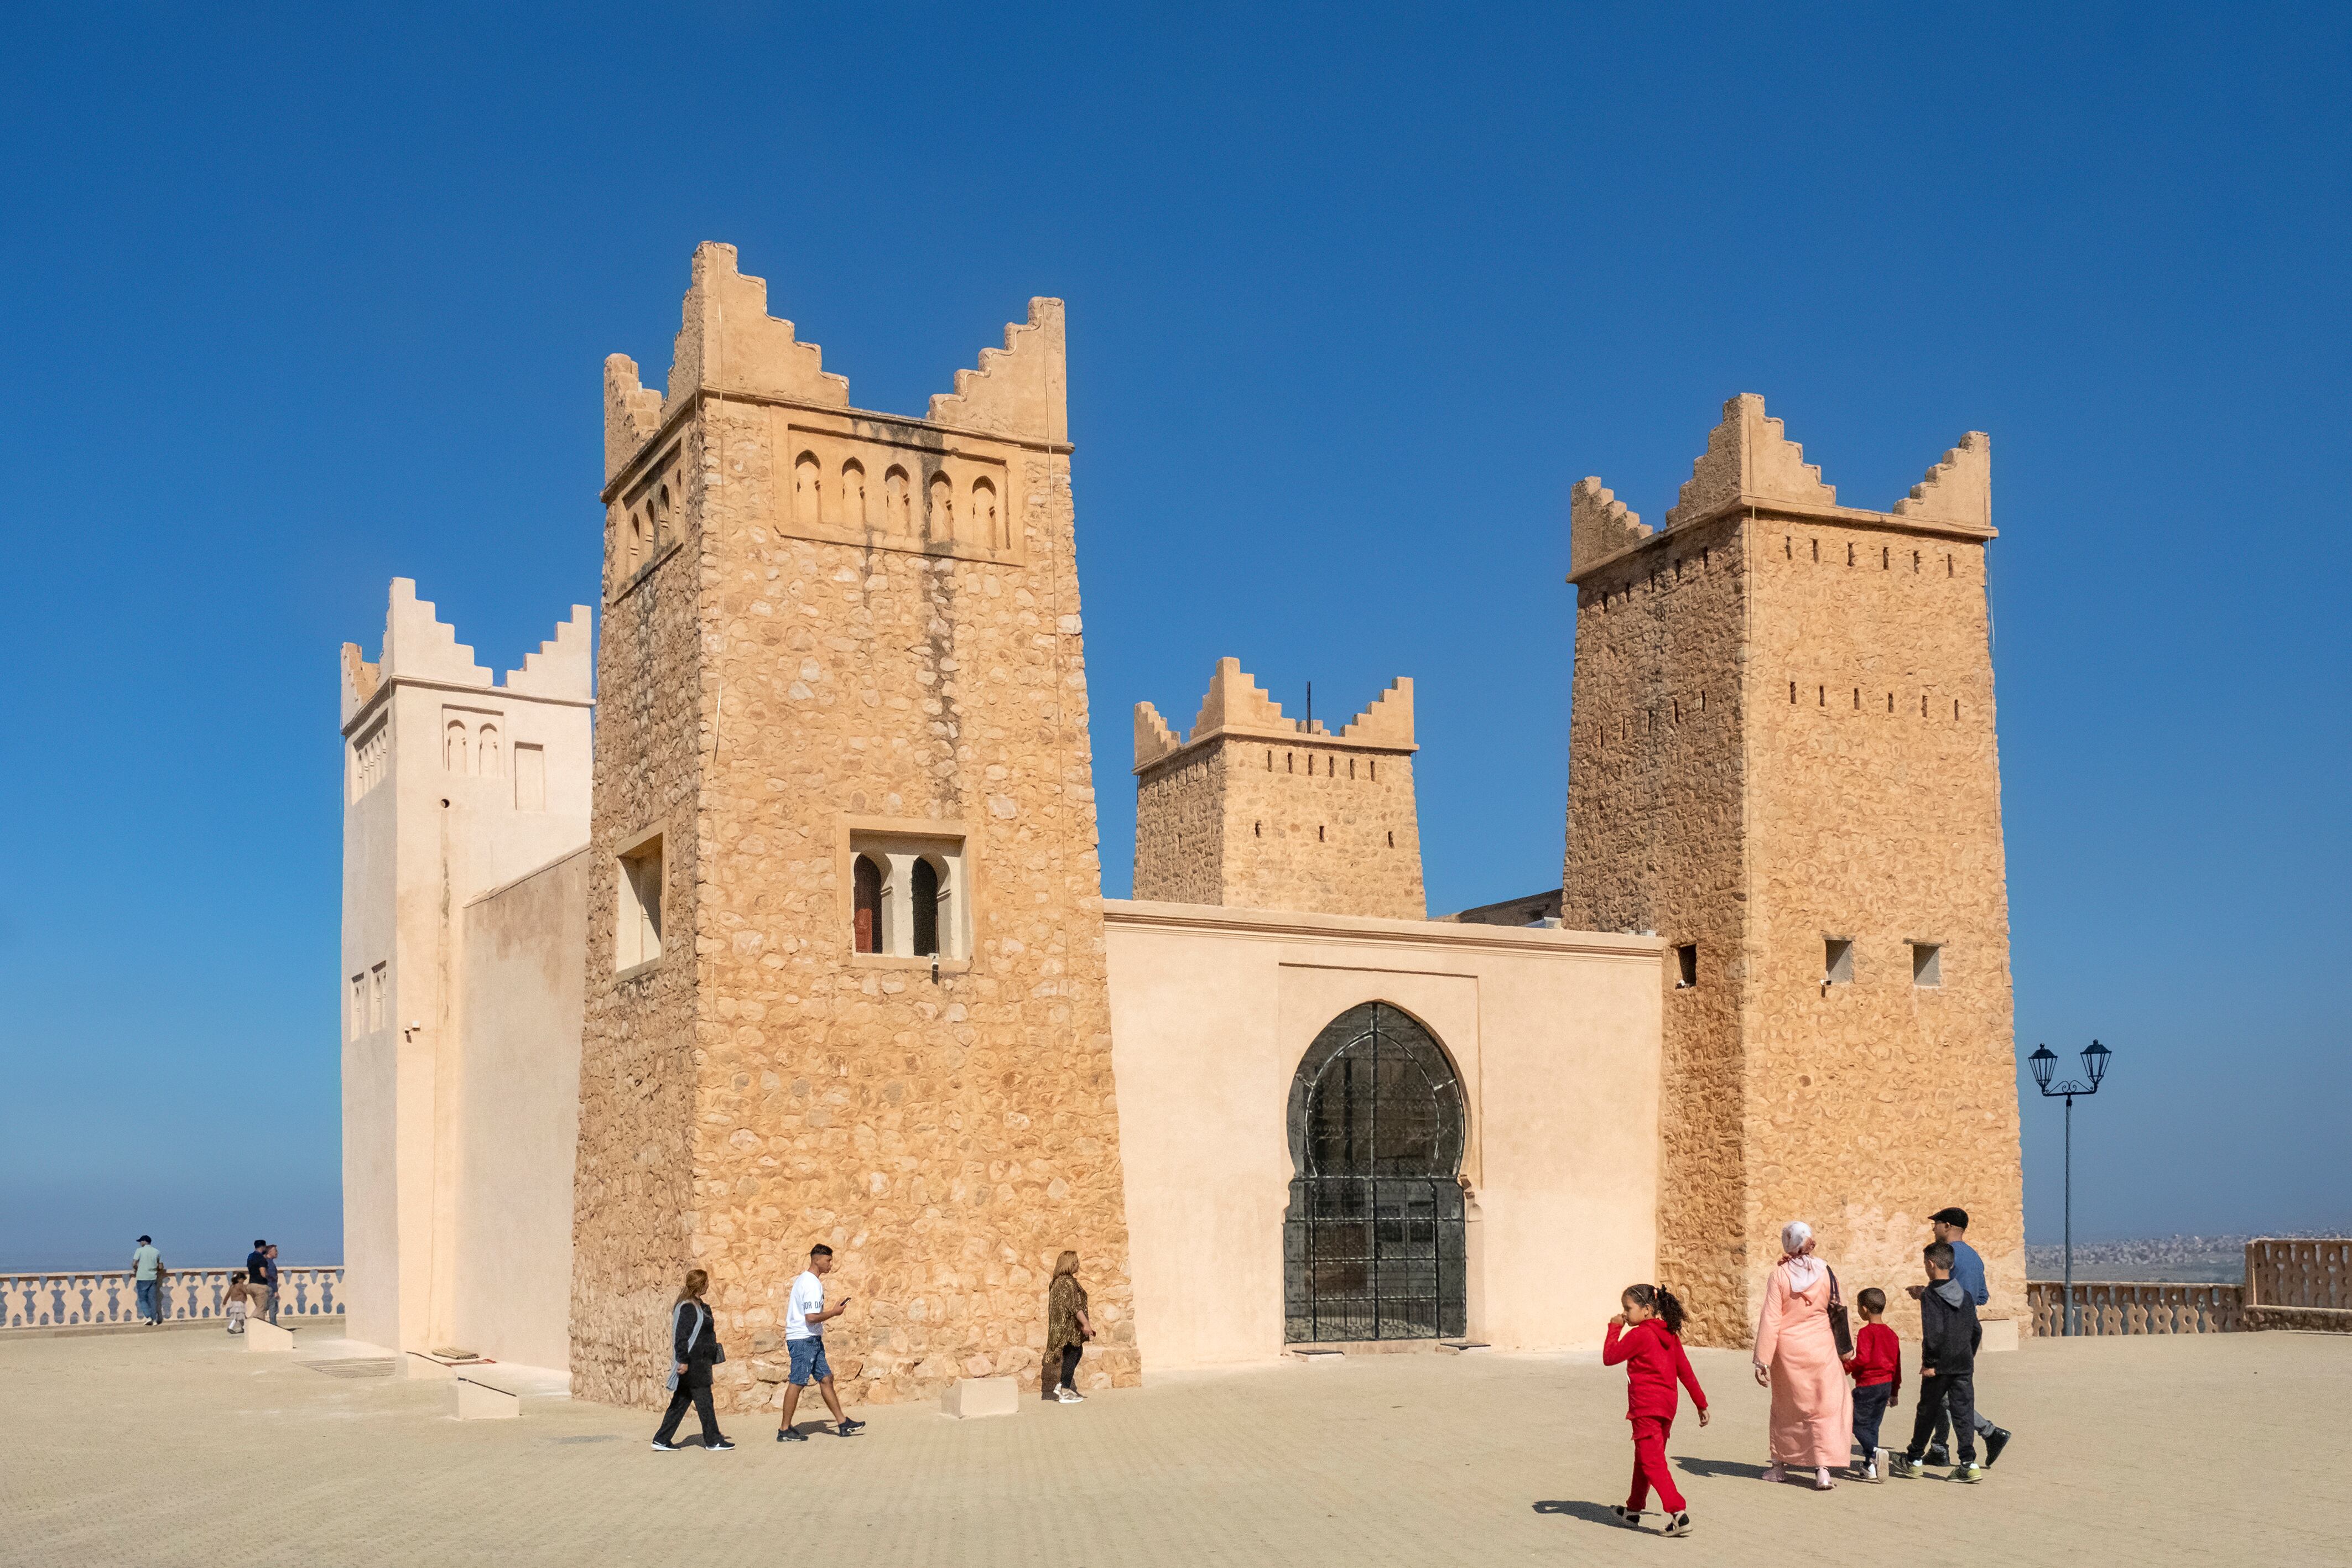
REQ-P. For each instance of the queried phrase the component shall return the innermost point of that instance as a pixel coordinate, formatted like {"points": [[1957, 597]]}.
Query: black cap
{"points": [[1959, 1217], [146, 1241]]}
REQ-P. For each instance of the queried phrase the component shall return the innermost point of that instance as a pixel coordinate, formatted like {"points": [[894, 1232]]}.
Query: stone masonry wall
{"points": [[948, 1136], [1655, 843], [1878, 804], [1314, 826], [1179, 829]]}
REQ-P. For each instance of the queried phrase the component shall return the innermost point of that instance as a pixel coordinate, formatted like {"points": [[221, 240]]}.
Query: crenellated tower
{"points": [[845, 951], [1783, 761], [1260, 811]]}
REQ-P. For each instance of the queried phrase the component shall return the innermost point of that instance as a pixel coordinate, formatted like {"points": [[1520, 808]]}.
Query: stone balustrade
{"points": [[2112, 1307], [64, 1297]]}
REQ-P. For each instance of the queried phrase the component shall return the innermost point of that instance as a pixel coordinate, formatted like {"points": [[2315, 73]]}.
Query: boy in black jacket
{"points": [[1948, 1333]]}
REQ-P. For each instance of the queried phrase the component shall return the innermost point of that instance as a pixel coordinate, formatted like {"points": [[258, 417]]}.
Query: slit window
{"points": [[1837, 961], [1927, 963], [923, 895], [1687, 966], [636, 936]]}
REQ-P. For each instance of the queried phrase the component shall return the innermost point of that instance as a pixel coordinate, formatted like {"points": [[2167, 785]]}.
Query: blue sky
{"points": [[298, 302]]}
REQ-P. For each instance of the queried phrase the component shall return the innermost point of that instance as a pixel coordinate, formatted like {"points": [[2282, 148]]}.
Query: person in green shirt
{"points": [[147, 1274]]}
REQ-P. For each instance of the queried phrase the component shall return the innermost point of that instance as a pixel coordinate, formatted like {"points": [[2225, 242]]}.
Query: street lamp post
{"points": [[2094, 1068]]}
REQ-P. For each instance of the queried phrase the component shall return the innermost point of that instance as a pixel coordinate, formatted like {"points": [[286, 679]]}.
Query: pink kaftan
{"points": [[1812, 1410]]}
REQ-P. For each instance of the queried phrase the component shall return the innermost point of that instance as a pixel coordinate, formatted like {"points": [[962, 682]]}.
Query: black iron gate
{"points": [[1373, 1245]]}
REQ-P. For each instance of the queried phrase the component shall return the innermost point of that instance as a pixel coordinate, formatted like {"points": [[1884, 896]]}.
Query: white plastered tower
{"points": [[455, 785]]}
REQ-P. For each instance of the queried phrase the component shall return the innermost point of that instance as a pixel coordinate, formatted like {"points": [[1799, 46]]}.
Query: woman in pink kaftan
{"points": [[1797, 1358]]}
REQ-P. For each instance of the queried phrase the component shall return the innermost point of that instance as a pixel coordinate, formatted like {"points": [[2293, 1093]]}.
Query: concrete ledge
{"points": [[471, 1401], [2000, 1334], [967, 1399], [267, 1336], [1317, 1355]]}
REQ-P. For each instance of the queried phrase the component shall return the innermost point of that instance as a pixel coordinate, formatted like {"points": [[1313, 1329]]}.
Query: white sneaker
{"points": [[1068, 1396]]}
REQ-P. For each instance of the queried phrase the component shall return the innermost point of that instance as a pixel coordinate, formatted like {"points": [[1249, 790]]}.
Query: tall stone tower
{"points": [[1260, 811], [845, 952], [1782, 760]]}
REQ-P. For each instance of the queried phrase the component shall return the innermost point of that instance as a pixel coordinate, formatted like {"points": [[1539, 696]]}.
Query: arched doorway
{"points": [[1372, 1246]]}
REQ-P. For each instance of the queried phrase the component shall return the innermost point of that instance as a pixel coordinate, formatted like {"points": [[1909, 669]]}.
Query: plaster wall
{"points": [[436, 810], [525, 955], [1554, 1034]]}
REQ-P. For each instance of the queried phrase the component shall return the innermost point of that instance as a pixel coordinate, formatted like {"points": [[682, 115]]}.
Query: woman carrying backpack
{"points": [[694, 1349]]}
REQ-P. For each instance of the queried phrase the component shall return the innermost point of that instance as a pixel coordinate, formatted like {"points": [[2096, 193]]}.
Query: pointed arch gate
{"points": [[1372, 1244]]}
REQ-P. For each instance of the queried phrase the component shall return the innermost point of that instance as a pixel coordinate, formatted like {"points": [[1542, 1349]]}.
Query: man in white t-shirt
{"points": [[805, 1320]]}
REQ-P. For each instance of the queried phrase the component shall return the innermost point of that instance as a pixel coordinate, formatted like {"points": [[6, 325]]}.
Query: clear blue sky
{"points": [[296, 302]]}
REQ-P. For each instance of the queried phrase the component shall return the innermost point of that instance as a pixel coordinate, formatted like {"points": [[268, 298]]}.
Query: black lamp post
{"points": [[2094, 1068]]}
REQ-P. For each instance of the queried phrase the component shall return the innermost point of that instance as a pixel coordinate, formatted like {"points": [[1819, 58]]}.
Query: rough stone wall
{"points": [[1656, 843], [948, 1136], [633, 1195], [1179, 829], [1865, 806], [1877, 802], [1311, 825]]}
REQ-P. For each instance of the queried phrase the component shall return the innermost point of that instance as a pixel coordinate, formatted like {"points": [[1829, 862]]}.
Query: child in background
{"points": [[239, 1301], [1645, 1336], [1876, 1369]]}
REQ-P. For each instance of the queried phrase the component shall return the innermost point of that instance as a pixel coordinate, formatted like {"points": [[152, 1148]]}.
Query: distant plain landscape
{"points": [[2166, 1259]]}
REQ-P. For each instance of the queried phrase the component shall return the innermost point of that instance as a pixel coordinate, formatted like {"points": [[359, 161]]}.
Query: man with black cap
{"points": [[1951, 1225]]}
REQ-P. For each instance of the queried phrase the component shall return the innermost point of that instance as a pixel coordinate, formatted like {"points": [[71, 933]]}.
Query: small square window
{"points": [[1687, 966], [636, 936], [1837, 961], [1927, 963]]}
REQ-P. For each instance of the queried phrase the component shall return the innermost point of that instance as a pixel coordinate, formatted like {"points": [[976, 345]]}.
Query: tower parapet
{"points": [[1782, 760], [1258, 811]]}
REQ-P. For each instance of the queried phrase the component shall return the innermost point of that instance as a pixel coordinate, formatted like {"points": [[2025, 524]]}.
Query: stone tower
{"points": [[454, 786], [1260, 811], [1782, 760], [845, 952]]}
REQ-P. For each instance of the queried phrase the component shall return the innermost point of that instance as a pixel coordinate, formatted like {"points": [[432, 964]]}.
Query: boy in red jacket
{"points": [[1645, 1336], [1876, 1369]]}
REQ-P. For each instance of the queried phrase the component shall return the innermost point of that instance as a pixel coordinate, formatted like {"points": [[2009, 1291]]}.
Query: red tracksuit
{"points": [[1655, 1361]]}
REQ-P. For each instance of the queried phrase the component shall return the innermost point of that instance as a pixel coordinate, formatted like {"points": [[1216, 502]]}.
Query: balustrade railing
{"points": [[2311, 1274], [2108, 1307], [64, 1297]]}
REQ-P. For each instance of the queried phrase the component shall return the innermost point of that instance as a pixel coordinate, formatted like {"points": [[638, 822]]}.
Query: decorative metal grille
{"points": [[1372, 1244]]}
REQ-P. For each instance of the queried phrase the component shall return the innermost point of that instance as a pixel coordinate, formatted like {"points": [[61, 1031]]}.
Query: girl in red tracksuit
{"points": [[1645, 1336]]}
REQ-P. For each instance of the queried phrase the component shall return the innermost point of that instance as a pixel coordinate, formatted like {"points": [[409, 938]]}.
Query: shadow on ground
{"points": [[1591, 1512], [1720, 1467]]}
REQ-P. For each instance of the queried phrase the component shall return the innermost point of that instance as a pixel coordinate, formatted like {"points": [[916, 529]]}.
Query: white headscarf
{"points": [[1802, 1270]]}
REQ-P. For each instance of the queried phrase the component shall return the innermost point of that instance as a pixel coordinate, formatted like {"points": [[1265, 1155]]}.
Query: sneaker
{"points": [[1625, 1516], [1867, 1471], [1970, 1472], [1678, 1525], [1903, 1466], [1939, 1455], [1068, 1396], [791, 1434], [1995, 1441], [846, 1426], [662, 1447], [717, 1445]]}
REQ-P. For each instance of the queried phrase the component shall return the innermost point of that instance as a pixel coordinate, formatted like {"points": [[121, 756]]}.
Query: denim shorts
{"points": [[808, 1360]]}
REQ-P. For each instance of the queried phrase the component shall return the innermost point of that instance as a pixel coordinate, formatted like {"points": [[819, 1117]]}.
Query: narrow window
{"points": [[1391, 839], [1269, 761], [376, 988], [1923, 704], [1885, 558], [530, 779], [1817, 551], [1789, 546], [1857, 699], [923, 888], [1914, 560], [1927, 963], [942, 521], [1890, 702], [1793, 692], [1822, 696], [1705, 556], [359, 1006], [637, 939], [1955, 708], [1290, 762], [1678, 710], [866, 899], [986, 525], [1848, 553], [1837, 961], [1372, 764], [1701, 699], [1352, 767], [491, 765], [1687, 966], [1948, 569], [1257, 829], [898, 501], [453, 750], [1318, 832], [853, 495], [808, 489]]}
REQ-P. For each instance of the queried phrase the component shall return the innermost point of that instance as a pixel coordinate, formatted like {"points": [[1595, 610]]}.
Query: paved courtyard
{"points": [[180, 1448]]}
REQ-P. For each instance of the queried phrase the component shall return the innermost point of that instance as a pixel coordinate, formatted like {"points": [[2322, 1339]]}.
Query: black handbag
{"points": [[1841, 1326]]}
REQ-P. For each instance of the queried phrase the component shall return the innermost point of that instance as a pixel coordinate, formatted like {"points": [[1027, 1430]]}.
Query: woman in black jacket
{"points": [[694, 1347]]}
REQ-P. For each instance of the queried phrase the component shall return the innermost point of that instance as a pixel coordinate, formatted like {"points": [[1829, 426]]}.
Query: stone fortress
{"points": [[805, 939]]}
